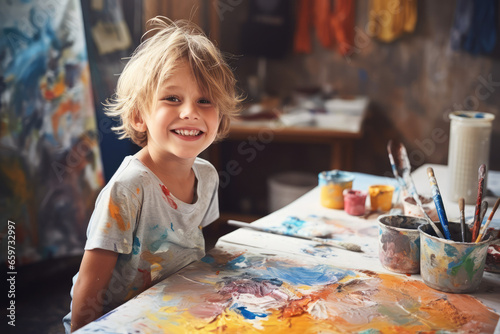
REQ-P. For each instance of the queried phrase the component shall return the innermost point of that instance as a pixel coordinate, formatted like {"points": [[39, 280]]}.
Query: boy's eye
{"points": [[172, 99], [204, 101]]}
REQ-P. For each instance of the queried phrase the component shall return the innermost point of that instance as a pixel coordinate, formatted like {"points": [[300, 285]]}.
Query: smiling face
{"points": [[184, 122]]}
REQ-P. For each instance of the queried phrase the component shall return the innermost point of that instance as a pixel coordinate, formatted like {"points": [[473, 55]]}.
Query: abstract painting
{"points": [[50, 165], [237, 290]]}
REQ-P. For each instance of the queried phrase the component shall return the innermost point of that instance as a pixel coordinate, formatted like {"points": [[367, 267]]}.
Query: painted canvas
{"points": [[236, 290], [50, 166]]}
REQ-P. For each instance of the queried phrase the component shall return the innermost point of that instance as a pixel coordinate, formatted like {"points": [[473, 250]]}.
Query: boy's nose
{"points": [[189, 111]]}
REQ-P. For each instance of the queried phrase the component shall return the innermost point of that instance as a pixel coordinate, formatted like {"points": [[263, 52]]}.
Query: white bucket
{"points": [[286, 187]]}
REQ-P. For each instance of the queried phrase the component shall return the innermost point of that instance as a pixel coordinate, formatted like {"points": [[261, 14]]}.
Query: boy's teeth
{"points": [[187, 132]]}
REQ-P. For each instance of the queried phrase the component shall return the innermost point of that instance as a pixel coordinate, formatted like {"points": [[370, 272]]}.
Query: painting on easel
{"points": [[50, 168], [237, 291]]}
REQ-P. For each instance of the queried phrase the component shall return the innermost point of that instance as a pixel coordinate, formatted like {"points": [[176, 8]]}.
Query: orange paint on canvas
{"points": [[64, 107]]}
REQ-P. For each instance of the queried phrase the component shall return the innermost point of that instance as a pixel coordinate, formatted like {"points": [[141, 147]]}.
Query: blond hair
{"points": [[154, 61]]}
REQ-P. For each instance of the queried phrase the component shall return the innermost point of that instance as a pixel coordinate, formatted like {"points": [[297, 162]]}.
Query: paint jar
{"points": [[399, 243], [470, 135], [493, 259], [493, 256], [449, 265], [410, 207], [354, 202], [332, 184], [381, 197]]}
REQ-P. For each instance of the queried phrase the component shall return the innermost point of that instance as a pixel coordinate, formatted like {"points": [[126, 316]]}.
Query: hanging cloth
{"points": [[392, 18], [334, 27], [461, 23], [482, 34], [302, 37], [322, 13], [342, 25]]}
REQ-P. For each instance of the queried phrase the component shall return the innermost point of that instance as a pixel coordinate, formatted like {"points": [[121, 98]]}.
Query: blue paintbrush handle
{"points": [[438, 202]]}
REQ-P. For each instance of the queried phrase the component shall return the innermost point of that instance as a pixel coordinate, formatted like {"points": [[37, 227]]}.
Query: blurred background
{"points": [[327, 85]]}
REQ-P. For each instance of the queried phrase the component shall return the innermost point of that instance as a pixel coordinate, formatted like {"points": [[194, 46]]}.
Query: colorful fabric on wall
{"points": [[334, 26], [390, 19], [50, 165], [475, 26]]}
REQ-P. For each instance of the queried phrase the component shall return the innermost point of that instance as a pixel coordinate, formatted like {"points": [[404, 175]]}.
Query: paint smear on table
{"points": [[318, 226], [359, 233], [241, 292]]}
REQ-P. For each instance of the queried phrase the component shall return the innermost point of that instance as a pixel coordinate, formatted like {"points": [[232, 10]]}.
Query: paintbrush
{"points": [[403, 157], [398, 177], [477, 213], [438, 202], [338, 244], [484, 208], [461, 206], [403, 165], [485, 226]]}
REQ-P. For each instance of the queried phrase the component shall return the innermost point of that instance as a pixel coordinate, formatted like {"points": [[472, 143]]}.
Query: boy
{"points": [[175, 97]]}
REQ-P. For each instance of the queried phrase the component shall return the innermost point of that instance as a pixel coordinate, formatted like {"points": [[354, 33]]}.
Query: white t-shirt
{"points": [[154, 233]]}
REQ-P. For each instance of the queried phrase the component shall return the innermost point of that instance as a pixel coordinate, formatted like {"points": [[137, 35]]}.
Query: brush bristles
{"points": [[351, 247], [482, 171]]}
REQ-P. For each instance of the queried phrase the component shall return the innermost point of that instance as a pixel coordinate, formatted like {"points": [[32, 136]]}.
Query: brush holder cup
{"points": [[470, 135], [450, 265], [399, 243]]}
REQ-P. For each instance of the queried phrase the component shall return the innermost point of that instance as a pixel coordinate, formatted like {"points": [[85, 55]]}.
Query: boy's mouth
{"points": [[188, 133]]}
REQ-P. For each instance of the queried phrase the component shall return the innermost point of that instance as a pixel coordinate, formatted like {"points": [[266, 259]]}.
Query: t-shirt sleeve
{"points": [[113, 221], [213, 208]]}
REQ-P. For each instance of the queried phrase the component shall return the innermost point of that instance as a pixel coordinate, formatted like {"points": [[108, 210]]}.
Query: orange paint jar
{"points": [[332, 185], [381, 197]]}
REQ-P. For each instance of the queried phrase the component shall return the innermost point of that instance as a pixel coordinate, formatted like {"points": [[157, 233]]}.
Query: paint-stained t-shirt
{"points": [[154, 233]]}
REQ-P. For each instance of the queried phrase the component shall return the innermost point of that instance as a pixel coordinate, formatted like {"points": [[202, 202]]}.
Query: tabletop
{"points": [[256, 282]]}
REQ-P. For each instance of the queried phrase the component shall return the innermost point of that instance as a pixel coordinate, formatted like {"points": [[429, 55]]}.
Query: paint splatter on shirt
{"points": [[168, 197]]}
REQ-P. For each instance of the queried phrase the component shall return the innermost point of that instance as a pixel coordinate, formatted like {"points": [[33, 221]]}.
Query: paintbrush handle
{"points": [[461, 207], [484, 208], [398, 177], [485, 226], [338, 244], [419, 204], [438, 201], [477, 213], [429, 220]]}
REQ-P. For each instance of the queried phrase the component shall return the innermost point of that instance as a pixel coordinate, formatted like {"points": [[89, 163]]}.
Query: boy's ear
{"points": [[138, 123]]}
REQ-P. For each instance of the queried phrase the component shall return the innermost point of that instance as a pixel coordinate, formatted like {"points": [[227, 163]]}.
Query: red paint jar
{"points": [[354, 202]]}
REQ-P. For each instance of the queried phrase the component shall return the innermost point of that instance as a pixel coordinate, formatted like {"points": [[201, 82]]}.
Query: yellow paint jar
{"points": [[332, 184], [381, 197]]}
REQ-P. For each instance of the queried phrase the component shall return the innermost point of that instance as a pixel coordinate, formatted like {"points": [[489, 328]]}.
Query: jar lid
{"points": [[336, 176], [472, 116]]}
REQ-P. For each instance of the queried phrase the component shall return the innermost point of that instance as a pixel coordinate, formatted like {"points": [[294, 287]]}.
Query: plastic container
{"points": [[470, 136], [286, 187]]}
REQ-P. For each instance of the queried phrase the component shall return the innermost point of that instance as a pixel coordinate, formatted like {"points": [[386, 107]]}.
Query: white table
{"points": [[171, 305]]}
